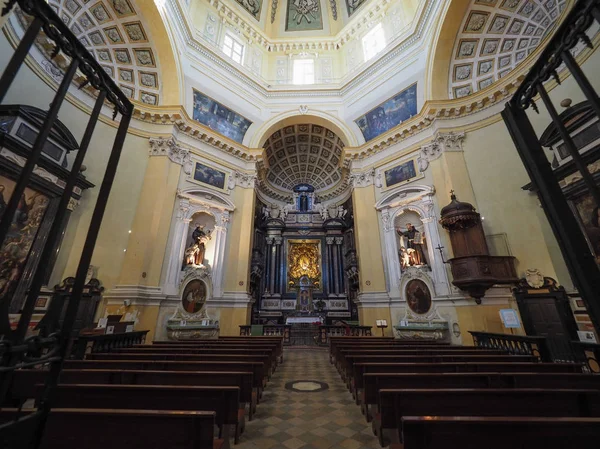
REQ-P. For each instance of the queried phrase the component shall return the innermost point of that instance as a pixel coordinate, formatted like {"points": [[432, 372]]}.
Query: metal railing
{"points": [[15, 349], [513, 344], [579, 258]]}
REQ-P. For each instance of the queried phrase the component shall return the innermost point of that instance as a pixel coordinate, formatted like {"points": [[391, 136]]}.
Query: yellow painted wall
{"points": [[113, 237], [497, 175], [485, 318], [239, 242], [231, 318], [145, 317], [368, 240], [150, 229], [367, 316]]}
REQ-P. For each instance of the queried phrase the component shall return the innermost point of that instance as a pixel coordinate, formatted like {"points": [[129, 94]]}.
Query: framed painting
{"points": [[219, 118], [588, 216], [389, 114], [203, 174], [418, 296], [194, 296], [15, 250], [400, 172]]}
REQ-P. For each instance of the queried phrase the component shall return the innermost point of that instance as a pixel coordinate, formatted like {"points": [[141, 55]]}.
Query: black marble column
{"points": [[277, 241]]}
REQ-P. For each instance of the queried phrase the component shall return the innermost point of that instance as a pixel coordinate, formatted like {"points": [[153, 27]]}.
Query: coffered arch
{"points": [[482, 41], [128, 40]]}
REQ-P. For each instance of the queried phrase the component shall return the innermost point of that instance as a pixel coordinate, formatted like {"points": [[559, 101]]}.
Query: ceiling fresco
{"points": [[304, 15], [114, 33], [252, 6], [353, 5], [300, 154], [495, 37]]}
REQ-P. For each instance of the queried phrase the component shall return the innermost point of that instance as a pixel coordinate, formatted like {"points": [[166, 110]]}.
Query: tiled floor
{"points": [[309, 420]]}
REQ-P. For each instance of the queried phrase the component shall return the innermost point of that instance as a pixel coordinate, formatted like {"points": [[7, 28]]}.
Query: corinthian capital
{"points": [[363, 179], [440, 143], [159, 146]]}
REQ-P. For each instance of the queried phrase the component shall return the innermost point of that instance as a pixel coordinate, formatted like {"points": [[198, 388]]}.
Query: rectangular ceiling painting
{"points": [[353, 5], [388, 114], [252, 6], [304, 15], [219, 118]]}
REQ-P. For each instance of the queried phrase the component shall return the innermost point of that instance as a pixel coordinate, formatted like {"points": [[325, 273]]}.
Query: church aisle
{"points": [[310, 419]]}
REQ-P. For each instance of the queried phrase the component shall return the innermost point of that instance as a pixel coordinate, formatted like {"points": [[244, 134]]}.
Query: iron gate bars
{"points": [[571, 239], [17, 351]]}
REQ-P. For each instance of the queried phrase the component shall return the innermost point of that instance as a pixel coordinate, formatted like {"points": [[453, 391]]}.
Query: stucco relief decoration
{"points": [[273, 10], [495, 37], [440, 143], [363, 179], [534, 278], [169, 147], [114, 32], [243, 180], [333, 9]]}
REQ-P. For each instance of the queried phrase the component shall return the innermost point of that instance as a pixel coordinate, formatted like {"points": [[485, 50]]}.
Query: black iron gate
{"points": [[579, 259], [16, 350]]}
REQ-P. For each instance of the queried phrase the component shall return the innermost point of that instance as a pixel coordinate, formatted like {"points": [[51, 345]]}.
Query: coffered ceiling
{"points": [[301, 154], [496, 36], [114, 32]]}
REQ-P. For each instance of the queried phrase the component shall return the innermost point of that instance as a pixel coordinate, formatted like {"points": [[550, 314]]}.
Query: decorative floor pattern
{"points": [[326, 419]]}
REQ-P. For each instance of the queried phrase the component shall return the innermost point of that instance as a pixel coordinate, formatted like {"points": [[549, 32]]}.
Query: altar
{"points": [[304, 319]]}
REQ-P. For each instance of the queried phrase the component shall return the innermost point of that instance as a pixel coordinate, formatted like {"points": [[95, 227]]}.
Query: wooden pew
{"points": [[360, 369], [342, 359], [115, 429], [24, 381], [272, 357], [397, 403], [274, 344], [336, 352], [256, 368], [351, 360], [264, 359], [223, 401], [373, 382], [464, 432]]}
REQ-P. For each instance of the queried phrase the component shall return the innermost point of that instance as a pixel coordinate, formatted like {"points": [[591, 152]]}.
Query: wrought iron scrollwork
{"points": [[567, 37]]}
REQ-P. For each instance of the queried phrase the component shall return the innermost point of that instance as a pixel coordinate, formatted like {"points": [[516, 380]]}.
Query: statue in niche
{"points": [[303, 202], [411, 251], [194, 254]]}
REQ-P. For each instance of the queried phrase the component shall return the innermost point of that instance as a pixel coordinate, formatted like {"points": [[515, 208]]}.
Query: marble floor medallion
{"points": [[306, 386]]}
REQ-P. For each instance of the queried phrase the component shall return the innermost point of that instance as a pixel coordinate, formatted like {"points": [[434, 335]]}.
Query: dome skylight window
{"points": [[304, 71], [233, 49]]}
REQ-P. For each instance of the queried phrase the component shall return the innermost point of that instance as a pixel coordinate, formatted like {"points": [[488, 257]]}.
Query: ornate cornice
{"points": [[441, 143], [355, 25]]}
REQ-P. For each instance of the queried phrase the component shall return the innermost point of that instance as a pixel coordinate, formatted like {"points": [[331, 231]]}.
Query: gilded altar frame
{"points": [[291, 246]]}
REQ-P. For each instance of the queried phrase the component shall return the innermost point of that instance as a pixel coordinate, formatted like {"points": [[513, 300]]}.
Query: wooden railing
{"points": [[275, 330], [513, 344], [89, 344]]}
